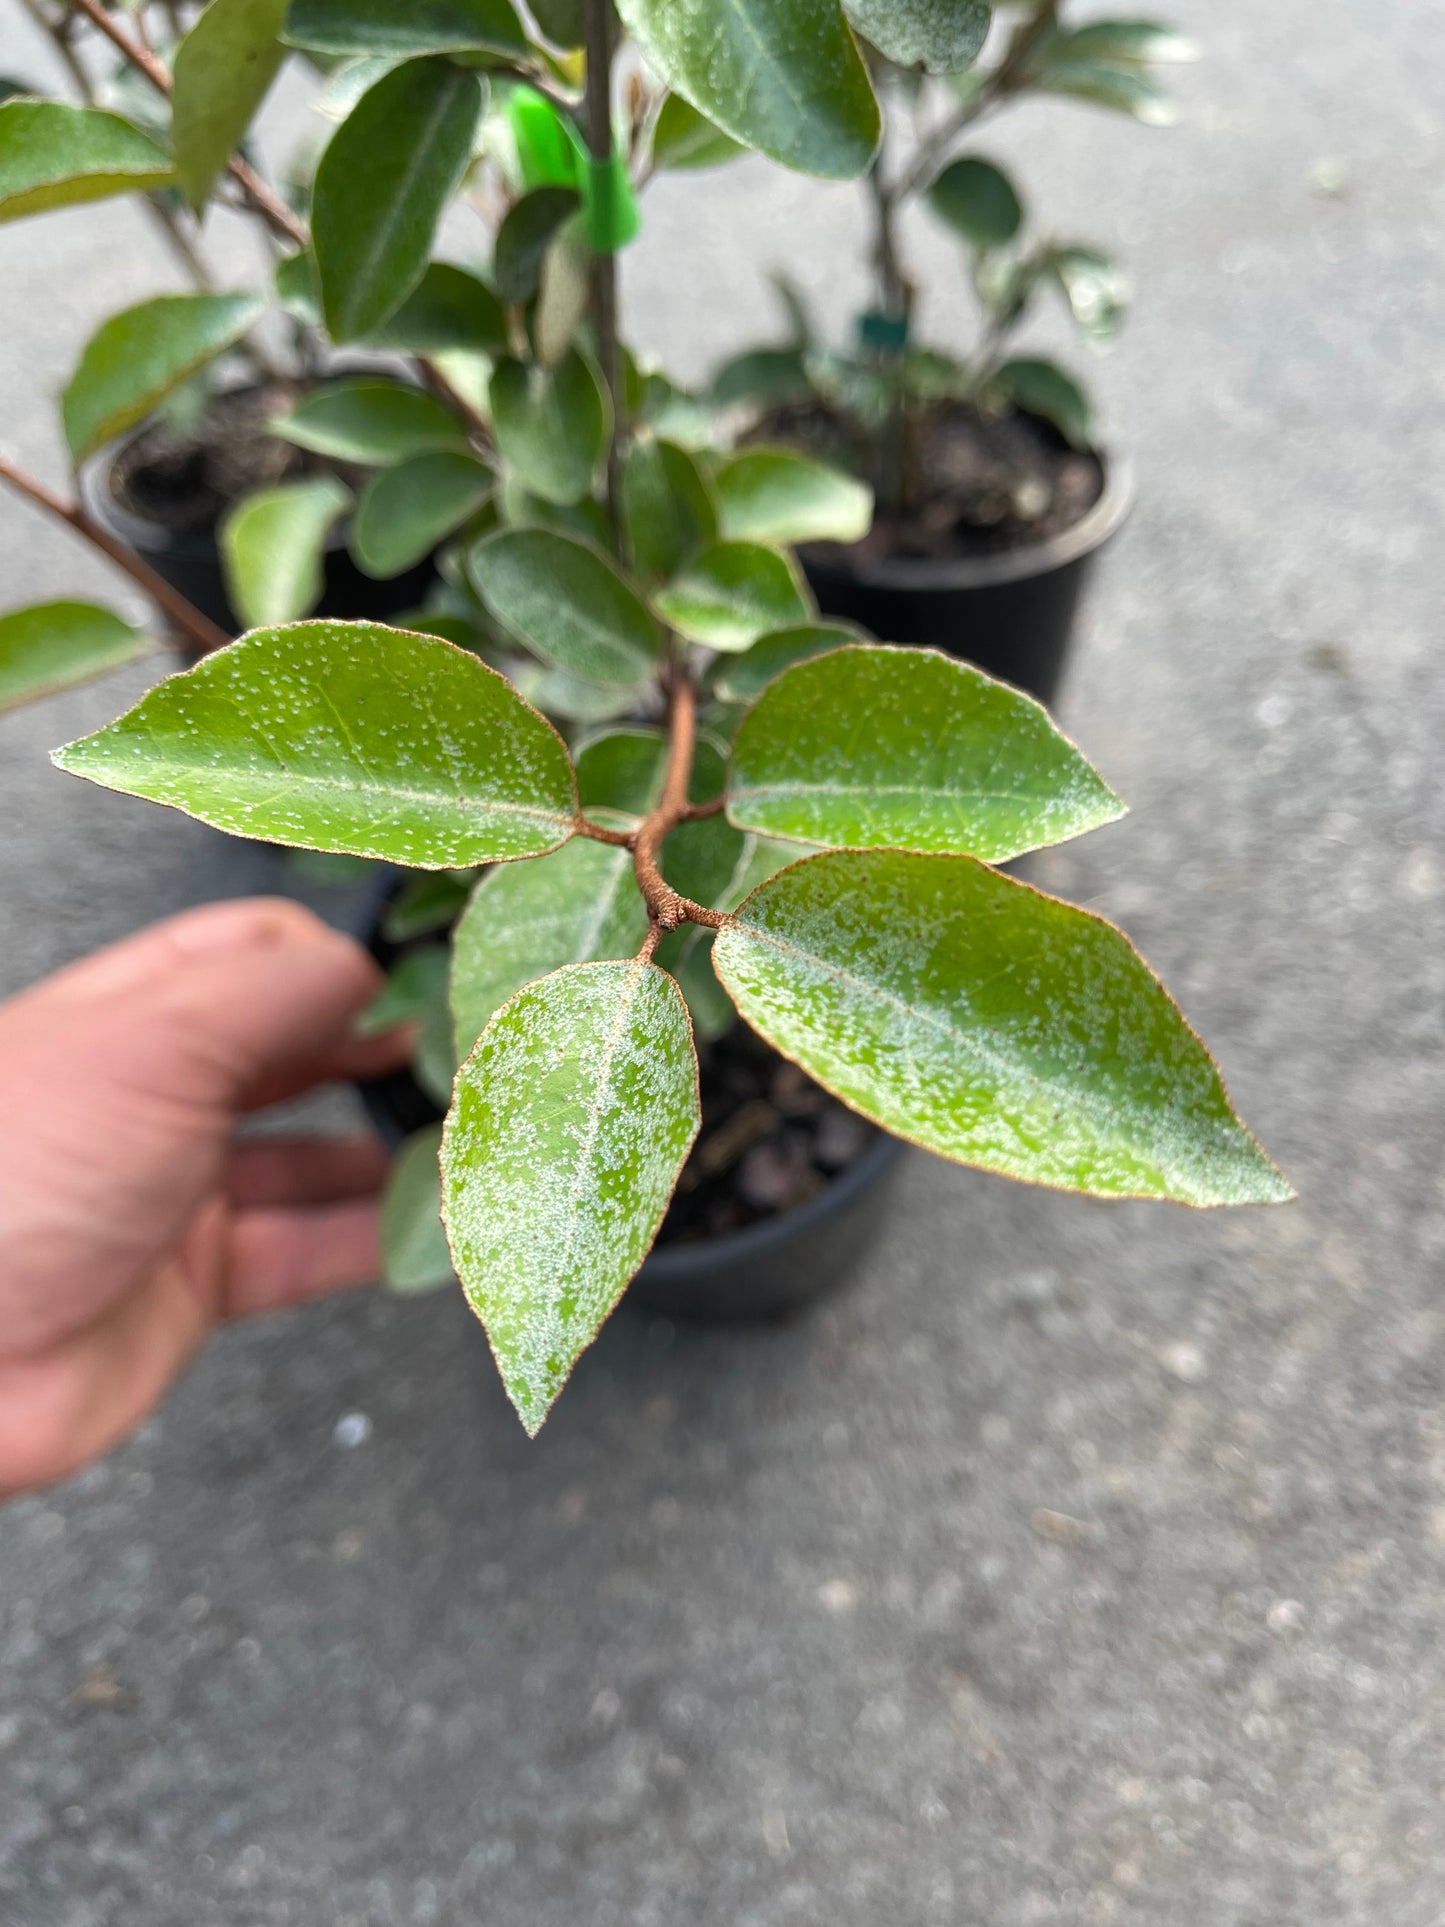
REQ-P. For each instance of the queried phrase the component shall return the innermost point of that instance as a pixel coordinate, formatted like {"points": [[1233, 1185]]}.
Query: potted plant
{"points": [[993, 492], [181, 417], [730, 841]]}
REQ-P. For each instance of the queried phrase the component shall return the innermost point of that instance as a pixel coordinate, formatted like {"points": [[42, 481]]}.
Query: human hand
{"points": [[131, 1220]]}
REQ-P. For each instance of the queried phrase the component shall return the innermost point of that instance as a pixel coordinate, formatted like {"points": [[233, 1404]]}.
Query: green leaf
{"points": [[1093, 286], [405, 511], [58, 644], [551, 425], [569, 603], [744, 677], [525, 920], [134, 360], [385, 29], [712, 1011], [563, 293], [560, 20], [1130, 41], [557, 693], [376, 422], [1122, 89], [422, 904], [763, 378], [223, 70], [416, 992], [387, 173], [733, 593], [874, 747], [684, 138], [668, 510], [623, 772], [571, 1122], [346, 736], [978, 201], [784, 76], [297, 288], [413, 984], [414, 1252], [54, 155], [774, 495], [526, 233], [989, 1023], [272, 548], [1041, 388], [941, 36], [448, 310]]}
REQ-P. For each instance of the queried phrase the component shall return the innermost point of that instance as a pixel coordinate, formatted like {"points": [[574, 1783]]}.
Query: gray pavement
{"points": [[1083, 1564]]}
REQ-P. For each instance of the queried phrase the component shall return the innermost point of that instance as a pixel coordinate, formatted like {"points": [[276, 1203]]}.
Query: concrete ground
{"points": [[1083, 1564]]}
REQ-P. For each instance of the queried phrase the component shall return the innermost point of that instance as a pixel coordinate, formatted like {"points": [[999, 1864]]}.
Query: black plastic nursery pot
{"points": [[764, 1272], [191, 560], [1011, 614]]}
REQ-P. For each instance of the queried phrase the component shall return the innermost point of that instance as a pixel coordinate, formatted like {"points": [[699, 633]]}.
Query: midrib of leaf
{"points": [[606, 903], [769, 791], [366, 281], [595, 1110], [300, 781], [764, 57], [1000, 1066]]}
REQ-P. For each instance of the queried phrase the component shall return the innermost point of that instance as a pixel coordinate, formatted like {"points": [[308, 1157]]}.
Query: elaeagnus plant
{"points": [[744, 811], [876, 398]]}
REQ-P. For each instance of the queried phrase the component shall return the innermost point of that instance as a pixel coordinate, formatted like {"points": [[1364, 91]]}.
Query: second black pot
{"points": [[1011, 615]]}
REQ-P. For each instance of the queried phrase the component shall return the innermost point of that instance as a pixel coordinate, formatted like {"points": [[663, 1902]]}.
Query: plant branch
{"points": [[598, 27], [664, 906], [264, 201], [155, 205], [268, 204], [599, 833], [1004, 79], [204, 633]]}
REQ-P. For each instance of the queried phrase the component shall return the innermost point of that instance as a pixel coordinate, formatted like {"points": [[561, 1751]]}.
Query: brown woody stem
{"points": [[265, 201], [187, 618], [664, 906]]}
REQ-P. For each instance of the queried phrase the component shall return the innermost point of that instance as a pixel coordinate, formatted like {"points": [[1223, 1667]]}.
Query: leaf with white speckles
{"points": [[570, 1126], [784, 76], [567, 601], [581, 904], [733, 593], [346, 736], [941, 36], [138, 357], [871, 747], [992, 1024]]}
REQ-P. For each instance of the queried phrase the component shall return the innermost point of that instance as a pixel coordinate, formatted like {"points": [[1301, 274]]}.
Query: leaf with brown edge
{"points": [[569, 1128], [987, 1022]]}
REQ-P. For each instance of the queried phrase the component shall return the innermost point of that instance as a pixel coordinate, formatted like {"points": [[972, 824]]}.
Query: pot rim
{"points": [[678, 1263], [1090, 532]]}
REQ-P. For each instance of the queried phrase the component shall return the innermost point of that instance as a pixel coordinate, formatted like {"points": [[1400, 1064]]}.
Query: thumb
{"points": [[213, 1007]]}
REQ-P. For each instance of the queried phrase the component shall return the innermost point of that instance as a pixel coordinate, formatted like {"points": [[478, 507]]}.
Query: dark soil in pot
{"points": [[977, 484], [779, 1199], [990, 553], [164, 490]]}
